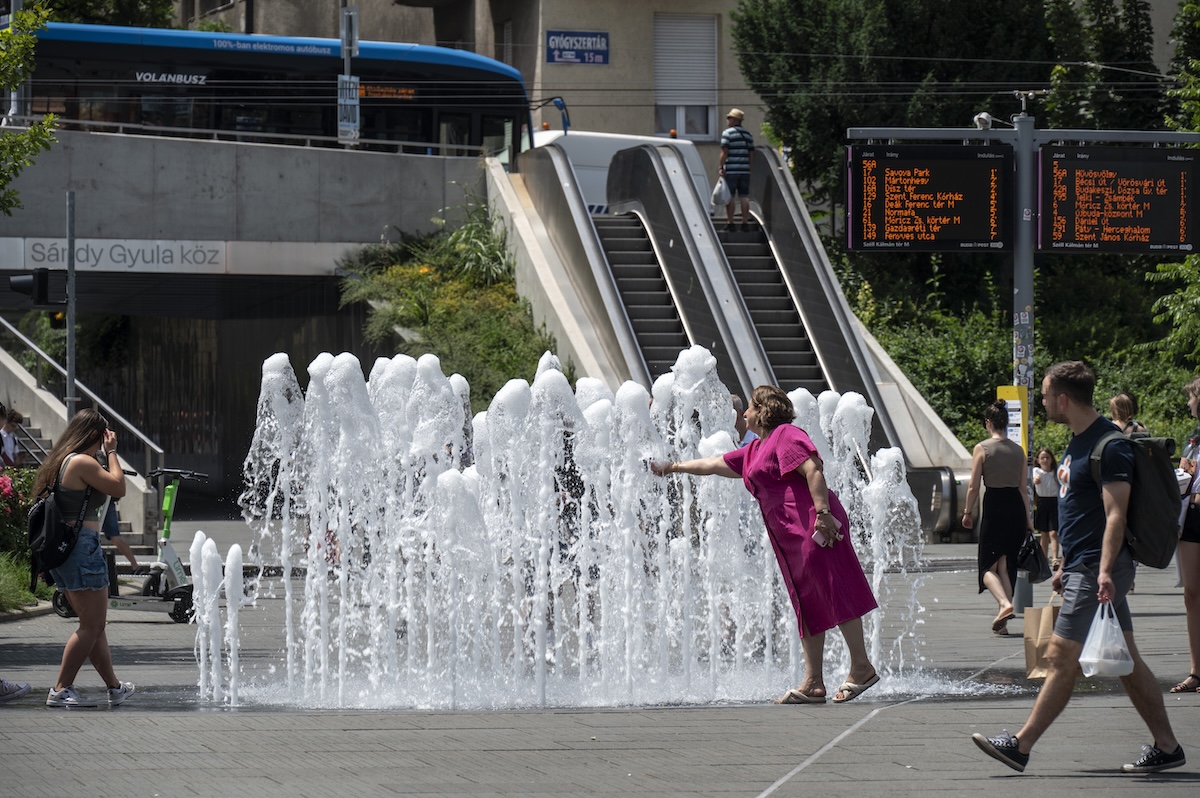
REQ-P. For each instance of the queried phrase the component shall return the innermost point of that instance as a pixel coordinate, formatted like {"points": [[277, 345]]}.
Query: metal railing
{"points": [[31, 446], [141, 448], [255, 136]]}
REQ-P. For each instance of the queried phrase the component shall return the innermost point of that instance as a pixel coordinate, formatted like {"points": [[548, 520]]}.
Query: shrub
{"points": [[16, 497]]}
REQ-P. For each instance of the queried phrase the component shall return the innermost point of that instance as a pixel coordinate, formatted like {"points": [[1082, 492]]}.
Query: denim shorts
{"points": [[85, 568], [739, 185], [1080, 602]]}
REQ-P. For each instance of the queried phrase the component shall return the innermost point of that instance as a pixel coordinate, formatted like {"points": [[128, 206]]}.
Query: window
{"points": [[685, 75]]}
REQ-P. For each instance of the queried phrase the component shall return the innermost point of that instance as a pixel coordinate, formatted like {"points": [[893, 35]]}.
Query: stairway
{"points": [[758, 276], [640, 282]]}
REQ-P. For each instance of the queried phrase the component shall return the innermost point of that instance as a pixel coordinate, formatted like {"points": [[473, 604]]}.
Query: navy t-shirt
{"points": [[1080, 503]]}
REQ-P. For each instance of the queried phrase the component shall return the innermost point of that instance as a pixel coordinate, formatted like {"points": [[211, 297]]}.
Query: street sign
{"points": [[348, 107], [349, 31]]}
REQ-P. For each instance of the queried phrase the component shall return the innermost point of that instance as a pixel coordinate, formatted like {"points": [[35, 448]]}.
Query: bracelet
{"points": [[826, 511]]}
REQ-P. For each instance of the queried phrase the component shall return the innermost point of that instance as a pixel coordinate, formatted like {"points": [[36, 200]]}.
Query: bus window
{"points": [[166, 111], [454, 134], [498, 137]]}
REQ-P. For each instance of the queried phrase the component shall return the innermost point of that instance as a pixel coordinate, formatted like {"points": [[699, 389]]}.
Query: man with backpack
{"points": [[1097, 567]]}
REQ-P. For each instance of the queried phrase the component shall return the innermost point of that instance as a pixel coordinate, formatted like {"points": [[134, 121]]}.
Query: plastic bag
{"points": [[1104, 652], [721, 195]]}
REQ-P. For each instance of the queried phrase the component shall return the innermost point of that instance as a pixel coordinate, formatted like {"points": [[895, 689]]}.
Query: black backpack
{"points": [[1152, 520], [51, 539]]}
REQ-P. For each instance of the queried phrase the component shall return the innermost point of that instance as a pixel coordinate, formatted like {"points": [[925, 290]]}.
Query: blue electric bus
{"points": [[412, 98]]}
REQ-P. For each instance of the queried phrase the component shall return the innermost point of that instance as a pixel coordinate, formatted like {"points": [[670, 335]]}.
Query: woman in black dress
{"points": [[999, 465]]}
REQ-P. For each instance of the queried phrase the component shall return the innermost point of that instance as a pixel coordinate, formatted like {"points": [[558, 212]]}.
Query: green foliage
{"points": [[19, 149], [16, 497], [213, 26], [477, 250], [135, 13], [14, 584], [452, 294]]}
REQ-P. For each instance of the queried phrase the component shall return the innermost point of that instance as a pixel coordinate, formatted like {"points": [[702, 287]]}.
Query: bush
{"points": [[16, 497], [451, 294], [14, 581]]}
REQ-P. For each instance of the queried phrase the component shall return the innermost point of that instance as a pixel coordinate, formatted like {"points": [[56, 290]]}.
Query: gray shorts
{"points": [[85, 568], [1079, 599]]}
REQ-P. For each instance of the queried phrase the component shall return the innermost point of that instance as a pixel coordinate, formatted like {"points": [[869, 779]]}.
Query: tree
{"points": [[135, 13], [19, 148]]}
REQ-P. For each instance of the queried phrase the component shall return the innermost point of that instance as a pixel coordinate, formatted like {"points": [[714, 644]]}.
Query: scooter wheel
{"points": [[182, 612], [153, 585], [62, 605]]}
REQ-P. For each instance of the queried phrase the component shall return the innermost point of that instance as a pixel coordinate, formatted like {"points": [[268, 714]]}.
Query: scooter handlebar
{"points": [[178, 472]]}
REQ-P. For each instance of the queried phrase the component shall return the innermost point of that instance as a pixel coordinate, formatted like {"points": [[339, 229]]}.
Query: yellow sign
{"points": [[1017, 399]]}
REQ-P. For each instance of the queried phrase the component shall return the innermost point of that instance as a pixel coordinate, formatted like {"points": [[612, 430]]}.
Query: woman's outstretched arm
{"points": [[701, 468]]}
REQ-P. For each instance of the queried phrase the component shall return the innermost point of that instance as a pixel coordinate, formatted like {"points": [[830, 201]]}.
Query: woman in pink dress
{"points": [[807, 526]]}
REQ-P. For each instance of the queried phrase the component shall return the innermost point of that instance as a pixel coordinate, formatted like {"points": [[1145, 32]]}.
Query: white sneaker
{"points": [[11, 690], [68, 697], [117, 695]]}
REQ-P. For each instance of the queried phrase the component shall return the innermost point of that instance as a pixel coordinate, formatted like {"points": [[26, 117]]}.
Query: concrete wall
{"points": [[379, 20], [135, 187]]}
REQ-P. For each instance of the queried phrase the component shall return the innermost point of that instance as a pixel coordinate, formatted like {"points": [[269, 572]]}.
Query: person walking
{"points": [[807, 527], [737, 156], [84, 575], [1122, 409], [1045, 508], [1187, 555], [1097, 567], [998, 464]]}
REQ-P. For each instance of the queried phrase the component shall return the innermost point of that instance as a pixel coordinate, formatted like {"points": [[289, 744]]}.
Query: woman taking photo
{"points": [[999, 465], [83, 577], [807, 526]]}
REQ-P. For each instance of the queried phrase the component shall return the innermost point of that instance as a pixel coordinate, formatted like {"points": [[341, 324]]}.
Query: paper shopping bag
{"points": [[1038, 627]]}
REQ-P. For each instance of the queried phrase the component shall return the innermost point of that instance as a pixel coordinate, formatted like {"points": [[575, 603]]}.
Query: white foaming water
{"points": [[527, 557]]}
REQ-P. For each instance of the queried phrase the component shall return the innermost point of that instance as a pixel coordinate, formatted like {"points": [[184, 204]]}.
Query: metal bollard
{"points": [[1022, 593]]}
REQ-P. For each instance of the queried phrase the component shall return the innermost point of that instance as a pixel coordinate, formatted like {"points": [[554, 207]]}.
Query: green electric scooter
{"points": [[167, 588]]}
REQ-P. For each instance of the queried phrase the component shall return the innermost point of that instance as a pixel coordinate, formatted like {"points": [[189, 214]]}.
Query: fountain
{"points": [[526, 557]]}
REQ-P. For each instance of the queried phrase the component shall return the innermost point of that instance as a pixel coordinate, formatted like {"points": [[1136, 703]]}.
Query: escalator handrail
{"points": [[654, 182], [555, 193], [771, 185]]}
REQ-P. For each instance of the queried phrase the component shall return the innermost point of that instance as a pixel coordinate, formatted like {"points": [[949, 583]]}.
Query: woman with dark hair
{"points": [[83, 483], [807, 526], [998, 464]]}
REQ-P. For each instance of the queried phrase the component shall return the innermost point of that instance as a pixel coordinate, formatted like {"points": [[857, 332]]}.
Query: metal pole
{"points": [[72, 401], [1023, 246]]}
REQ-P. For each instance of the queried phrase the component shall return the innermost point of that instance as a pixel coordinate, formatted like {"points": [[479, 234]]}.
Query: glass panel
{"points": [[664, 118], [695, 120], [497, 138], [454, 129]]}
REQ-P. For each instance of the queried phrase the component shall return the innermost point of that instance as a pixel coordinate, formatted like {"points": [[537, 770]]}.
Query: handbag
{"points": [[1105, 652], [1032, 560], [721, 194]]}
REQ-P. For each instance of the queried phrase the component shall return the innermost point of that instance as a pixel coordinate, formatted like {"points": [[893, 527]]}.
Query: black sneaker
{"points": [[1153, 760], [1004, 749]]}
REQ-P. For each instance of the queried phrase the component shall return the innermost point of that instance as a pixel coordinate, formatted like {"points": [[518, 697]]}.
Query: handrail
{"points": [[224, 134], [152, 450], [25, 439]]}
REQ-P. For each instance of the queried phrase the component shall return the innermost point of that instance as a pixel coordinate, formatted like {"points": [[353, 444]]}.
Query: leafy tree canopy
{"points": [[134, 13], [18, 148]]}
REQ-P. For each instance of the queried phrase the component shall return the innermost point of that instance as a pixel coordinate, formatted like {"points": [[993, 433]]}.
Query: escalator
{"points": [[784, 339], [647, 298]]}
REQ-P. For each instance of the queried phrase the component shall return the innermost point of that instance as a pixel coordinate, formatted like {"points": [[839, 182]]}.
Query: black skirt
{"points": [[1001, 531], [1045, 513]]}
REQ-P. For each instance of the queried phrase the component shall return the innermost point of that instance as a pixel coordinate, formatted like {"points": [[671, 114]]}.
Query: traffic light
{"points": [[35, 284]]}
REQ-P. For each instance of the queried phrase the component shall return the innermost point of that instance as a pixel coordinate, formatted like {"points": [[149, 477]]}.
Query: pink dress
{"points": [[827, 585]]}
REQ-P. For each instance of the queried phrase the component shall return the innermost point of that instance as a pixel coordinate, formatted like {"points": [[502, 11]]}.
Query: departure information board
{"points": [[931, 198], [1117, 199]]}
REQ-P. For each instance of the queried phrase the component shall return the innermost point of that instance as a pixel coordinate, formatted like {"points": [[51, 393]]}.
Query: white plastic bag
{"points": [[721, 195], [1104, 652]]}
